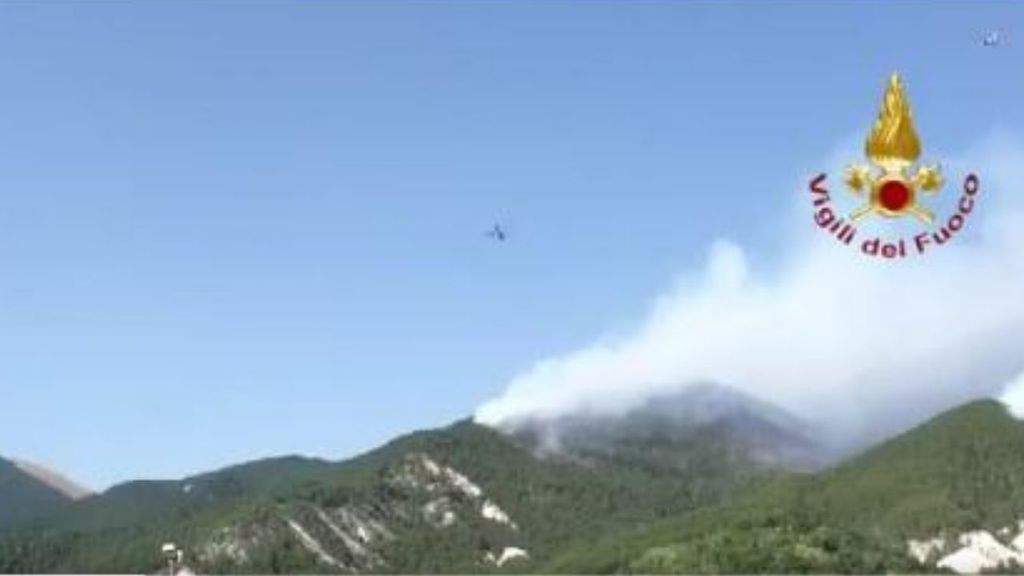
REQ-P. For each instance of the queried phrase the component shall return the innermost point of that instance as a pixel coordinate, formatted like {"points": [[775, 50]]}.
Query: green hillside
{"points": [[552, 502], [556, 500], [120, 529], [962, 470], [141, 502], [24, 498]]}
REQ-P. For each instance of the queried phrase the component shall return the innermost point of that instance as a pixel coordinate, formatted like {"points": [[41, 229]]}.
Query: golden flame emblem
{"points": [[893, 147]]}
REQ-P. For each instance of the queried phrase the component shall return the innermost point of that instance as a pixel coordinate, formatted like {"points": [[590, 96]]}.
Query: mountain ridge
{"points": [[53, 479], [469, 498], [946, 485], [701, 412], [479, 495], [24, 497]]}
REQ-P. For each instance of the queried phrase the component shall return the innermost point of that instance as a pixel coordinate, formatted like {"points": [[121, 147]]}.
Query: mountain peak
{"points": [[705, 416], [988, 407]]}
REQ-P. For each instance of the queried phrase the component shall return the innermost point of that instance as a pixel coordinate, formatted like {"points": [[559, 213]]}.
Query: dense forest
{"points": [[643, 507]]}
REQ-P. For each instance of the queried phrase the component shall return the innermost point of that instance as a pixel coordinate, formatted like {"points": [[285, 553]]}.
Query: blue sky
{"points": [[234, 230]]}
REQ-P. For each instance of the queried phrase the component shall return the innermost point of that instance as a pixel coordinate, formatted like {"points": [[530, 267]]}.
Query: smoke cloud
{"points": [[1013, 396], [860, 346]]}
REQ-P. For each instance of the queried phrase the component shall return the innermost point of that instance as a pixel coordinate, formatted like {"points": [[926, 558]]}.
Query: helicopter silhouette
{"points": [[992, 39], [497, 232]]}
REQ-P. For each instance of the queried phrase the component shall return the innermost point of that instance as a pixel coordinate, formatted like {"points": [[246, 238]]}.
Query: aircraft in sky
{"points": [[992, 39], [498, 233]]}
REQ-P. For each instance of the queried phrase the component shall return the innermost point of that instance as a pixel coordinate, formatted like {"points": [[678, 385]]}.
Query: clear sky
{"points": [[233, 230]]}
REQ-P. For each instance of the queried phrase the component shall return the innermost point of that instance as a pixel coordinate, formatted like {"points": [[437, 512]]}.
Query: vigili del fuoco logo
{"points": [[892, 186]]}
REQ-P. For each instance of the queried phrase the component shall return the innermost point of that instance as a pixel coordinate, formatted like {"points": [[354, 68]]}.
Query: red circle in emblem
{"points": [[894, 195]]}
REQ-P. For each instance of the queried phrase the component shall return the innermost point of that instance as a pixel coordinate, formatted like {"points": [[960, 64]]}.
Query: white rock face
{"points": [[424, 473], [980, 551], [448, 518], [507, 555], [438, 477], [921, 550], [230, 542], [312, 544], [462, 483], [352, 544], [360, 522], [433, 467], [977, 551], [350, 537], [493, 512], [344, 537]]}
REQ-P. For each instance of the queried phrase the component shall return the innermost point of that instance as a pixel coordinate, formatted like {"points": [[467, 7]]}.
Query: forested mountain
{"points": [[947, 494], [462, 498], [24, 497], [715, 482], [668, 431]]}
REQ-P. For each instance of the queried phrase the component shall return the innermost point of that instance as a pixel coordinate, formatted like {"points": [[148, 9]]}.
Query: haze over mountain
{"points": [[53, 479], [670, 422]]}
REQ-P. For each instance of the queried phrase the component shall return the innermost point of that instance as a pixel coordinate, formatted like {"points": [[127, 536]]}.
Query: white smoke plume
{"points": [[1013, 396], [861, 346]]}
